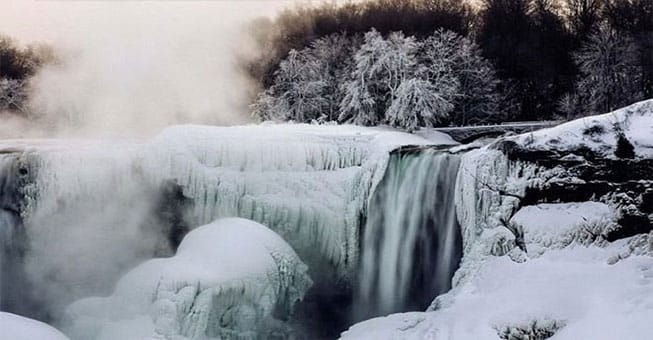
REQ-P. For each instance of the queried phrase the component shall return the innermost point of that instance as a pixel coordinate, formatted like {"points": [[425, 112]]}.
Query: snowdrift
{"points": [[16, 327]]}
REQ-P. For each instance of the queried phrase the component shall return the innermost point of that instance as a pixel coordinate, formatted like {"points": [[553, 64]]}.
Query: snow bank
{"points": [[14, 327], [599, 133], [225, 281], [569, 294]]}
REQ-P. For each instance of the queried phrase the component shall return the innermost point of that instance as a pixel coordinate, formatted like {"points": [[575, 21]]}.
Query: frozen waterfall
{"points": [[412, 244]]}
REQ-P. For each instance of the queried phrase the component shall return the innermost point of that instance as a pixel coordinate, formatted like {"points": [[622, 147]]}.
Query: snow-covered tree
{"points": [[363, 100], [334, 55], [611, 76], [455, 63], [13, 96], [381, 65], [418, 102], [297, 91], [306, 86]]}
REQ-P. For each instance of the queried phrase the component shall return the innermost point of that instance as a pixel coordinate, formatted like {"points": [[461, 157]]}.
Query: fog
{"points": [[130, 68]]}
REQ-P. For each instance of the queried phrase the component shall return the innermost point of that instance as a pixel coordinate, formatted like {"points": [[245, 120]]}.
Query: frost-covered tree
{"points": [[610, 72], [334, 56], [418, 102], [297, 91], [13, 96], [456, 65], [306, 86], [381, 65]]}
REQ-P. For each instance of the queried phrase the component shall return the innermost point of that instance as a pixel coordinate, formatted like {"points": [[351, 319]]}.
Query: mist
{"points": [[132, 68]]}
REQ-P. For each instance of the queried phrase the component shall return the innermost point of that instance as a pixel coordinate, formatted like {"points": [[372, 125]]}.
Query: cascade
{"points": [[411, 244], [13, 295]]}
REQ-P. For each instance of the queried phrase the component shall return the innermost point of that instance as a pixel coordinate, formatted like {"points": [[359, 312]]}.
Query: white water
{"points": [[411, 244]]}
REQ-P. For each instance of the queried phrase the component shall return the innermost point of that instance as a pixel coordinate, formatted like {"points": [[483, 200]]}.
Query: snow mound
{"points": [[599, 133], [226, 281], [16, 327], [549, 226]]}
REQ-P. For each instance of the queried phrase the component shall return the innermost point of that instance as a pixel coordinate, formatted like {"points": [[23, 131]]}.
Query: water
{"points": [[412, 243]]}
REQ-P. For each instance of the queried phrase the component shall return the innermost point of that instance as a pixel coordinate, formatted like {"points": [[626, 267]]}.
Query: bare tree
{"points": [[610, 71]]}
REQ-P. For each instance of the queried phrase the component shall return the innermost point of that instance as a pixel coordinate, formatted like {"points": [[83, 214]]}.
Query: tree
{"points": [[418, 103], [635, 19], [451, 58], [13, 96], [530, 46], [334, 56], [584, 17], [381, 65], [296, 93], [610, 72]]}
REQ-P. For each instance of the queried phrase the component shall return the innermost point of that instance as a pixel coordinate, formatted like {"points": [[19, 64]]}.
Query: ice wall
{"points": [[308, 183], [411, 245]]}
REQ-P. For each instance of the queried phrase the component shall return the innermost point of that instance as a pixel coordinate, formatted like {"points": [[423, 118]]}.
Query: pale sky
{"points": [[52, 20]]}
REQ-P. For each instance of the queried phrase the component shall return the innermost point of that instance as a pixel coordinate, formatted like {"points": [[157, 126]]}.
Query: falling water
{"points": [[412, 242], [14, 291]]}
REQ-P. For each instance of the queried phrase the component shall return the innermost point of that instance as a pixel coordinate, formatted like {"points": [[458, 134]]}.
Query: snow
{"points": [[232, 270], [635, 120], [14, 327], [573, 287], [572, 290], [557, 225]]}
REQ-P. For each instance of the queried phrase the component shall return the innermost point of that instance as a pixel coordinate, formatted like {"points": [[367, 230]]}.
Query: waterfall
{"points": [[14, 290], [412, 243]]}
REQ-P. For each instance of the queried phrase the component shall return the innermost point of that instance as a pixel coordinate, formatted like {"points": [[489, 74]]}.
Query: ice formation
{"points": [[230, 279], [308, 183], [411, 237], [101, 205], [16, 327]]}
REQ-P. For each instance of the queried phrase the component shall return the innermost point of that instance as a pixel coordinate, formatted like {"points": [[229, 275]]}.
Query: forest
{"points": [[446, 62], [413, 63]]}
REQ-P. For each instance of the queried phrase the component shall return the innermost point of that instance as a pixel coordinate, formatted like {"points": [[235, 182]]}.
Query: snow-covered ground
{"points": [[225, 281], [14, 327], [568, 292]]}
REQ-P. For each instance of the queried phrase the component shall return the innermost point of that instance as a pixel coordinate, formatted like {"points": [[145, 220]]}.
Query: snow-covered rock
{"points": [[599, 133], [233, 279], [14, 327]]}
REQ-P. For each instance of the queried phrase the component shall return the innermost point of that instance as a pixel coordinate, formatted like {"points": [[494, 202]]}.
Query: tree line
{"points": [[17, 65], [414, 63]]}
